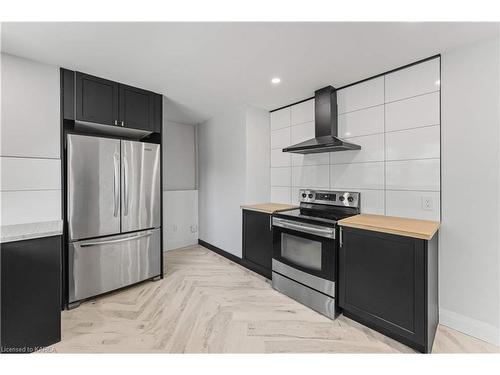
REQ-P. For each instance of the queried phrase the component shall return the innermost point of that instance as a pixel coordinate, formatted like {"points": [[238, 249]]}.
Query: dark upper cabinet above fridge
{"points": [[93, 99], [136, 108], [96, 99]]}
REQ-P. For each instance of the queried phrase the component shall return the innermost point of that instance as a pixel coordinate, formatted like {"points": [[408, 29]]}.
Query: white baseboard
{"points": [[469, 326]]}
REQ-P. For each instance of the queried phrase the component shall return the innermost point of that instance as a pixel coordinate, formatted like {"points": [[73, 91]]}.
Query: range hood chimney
{"points": [[325, 127]]}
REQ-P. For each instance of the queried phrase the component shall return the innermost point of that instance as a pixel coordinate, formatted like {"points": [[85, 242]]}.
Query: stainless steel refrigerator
{"points": [[113, 203]]}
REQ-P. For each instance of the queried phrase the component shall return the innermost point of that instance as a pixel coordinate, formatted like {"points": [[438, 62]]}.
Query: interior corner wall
{"points": [[180, 197], [469, 262], [222, 179]]}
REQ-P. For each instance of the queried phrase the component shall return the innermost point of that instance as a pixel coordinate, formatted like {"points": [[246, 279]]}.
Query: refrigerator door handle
{"points": [[125, 186], [116, 184], [97, 243]]}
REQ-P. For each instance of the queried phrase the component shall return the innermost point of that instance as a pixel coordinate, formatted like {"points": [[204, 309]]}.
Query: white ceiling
{"points": [[204, 68]]}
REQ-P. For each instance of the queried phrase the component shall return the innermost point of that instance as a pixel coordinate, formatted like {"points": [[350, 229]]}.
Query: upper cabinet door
{"points": [[96, 99], [136, 108]]}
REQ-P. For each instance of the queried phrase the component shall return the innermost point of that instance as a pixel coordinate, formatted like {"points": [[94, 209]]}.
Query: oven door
{"points": [[308, 248]]}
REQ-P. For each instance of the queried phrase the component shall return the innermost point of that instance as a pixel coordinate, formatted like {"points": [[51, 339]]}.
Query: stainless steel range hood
{"points": [[326, 129]]}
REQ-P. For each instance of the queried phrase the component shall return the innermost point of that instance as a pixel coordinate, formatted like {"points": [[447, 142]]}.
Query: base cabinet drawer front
{"points": [[258, 241], [31, 294], [382, 283]]}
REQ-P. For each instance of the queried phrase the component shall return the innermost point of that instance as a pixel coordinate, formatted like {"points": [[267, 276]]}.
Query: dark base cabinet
{"points": [[30, 294], [389, 283], [258, 242]]}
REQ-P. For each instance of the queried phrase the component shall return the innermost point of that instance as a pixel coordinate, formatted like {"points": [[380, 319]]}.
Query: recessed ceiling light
{"points": [[438, 82], [275, 80]]}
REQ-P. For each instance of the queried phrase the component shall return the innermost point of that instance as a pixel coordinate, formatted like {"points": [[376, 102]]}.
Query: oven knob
{"points": [[350, 199], [304, 195], [310, 196], [341, 198]]}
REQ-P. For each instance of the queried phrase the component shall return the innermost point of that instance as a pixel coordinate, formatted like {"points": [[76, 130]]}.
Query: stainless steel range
{"points": [[305, 247]]}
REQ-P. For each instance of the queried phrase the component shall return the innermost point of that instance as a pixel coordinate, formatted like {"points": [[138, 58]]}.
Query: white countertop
{"points": [[19, 232]]}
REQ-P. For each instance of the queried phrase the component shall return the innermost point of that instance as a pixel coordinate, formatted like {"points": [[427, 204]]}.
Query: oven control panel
{"points": [[334, 198]]}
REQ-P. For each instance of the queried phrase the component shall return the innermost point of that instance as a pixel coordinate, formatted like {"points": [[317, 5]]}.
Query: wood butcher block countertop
{"points": [[269, 208], [423, 229]]}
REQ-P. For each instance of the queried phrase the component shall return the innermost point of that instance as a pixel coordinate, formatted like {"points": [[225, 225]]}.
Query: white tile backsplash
{"points": [[357, 176], [372, 149], [363, 95], [413, 175], [302, 132], [30, 174], [362, 122], [30, 185], [30, 206], [280, 138], [281, 194], [302, 112], [310, 159], [280, 119], [398, 165], [412, 113], [372, 201], [419, 143], [412, 81], [280, 158], [311, 175], [281, 176], [409, 204], [30, 104]]}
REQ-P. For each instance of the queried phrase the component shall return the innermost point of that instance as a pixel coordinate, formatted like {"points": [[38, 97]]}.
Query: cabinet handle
{"points": [[341, 241], [116, 122], [123, 124], [271, 222]]}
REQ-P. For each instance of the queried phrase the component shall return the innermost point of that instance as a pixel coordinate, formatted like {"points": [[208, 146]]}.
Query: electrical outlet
{"points": [[427, 203]]}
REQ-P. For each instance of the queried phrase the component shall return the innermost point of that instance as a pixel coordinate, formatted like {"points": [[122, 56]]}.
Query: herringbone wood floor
{"points": [[208, 304]]}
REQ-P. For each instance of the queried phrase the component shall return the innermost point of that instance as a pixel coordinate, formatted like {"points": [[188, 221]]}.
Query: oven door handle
{"points": [[316, 230]]}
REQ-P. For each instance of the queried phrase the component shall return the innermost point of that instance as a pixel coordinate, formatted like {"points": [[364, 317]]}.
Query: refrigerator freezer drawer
{"points": [[105, 264]]}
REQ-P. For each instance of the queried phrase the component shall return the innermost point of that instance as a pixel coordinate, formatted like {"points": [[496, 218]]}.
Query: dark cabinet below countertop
{"points": [[30, 294], [389, 283], [258, 242]]}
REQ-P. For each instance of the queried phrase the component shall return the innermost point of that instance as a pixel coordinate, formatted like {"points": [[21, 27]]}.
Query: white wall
{"points": [[179, 156], [469, 276], [180, 197], [233, 163], [257, 155], [180, 219], [30, 187], [395, 120]]}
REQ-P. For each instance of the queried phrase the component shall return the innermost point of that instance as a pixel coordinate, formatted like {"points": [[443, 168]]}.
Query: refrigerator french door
{"points": [[113, 214]]}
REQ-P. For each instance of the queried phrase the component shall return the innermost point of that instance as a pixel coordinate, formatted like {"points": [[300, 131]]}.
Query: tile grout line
{"points": [[390, 102], [19, 190], [29, 157]]}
